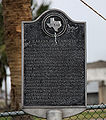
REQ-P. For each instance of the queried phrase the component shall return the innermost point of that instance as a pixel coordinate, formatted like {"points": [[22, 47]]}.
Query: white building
{"points": [[96, 78]]}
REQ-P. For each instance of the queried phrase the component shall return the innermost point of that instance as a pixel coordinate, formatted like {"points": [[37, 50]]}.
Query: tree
{"points": [[36, 13], [14, 12]]}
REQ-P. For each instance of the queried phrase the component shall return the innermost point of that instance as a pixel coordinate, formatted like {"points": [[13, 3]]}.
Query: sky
{"points": [[95, 25]]}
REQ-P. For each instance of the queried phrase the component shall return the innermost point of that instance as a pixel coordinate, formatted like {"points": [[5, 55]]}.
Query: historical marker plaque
{"points": [[53, 63]]}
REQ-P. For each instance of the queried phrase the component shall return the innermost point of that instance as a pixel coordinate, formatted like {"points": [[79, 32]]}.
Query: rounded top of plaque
{"points": [[54, 23]]}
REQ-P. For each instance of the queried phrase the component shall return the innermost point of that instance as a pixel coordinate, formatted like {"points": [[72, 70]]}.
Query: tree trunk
{"points": [[14, 12]]}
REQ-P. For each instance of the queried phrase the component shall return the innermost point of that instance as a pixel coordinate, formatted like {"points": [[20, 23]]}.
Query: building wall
{"points": [[98, 74], [92, 99], [102, 92]]}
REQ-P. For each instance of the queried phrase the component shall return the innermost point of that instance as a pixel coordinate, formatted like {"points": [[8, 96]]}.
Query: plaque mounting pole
{"points": [[54, 115]]}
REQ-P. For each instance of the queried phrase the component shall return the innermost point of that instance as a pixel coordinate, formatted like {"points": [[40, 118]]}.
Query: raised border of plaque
{"points": [[41, 111]]}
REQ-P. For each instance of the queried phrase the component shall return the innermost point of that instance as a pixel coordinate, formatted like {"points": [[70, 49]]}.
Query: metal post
{"points": [[54, 115]]}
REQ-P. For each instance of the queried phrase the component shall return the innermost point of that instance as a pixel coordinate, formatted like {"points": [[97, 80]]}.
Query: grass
{"points": [[5, 118], [87, 115]]}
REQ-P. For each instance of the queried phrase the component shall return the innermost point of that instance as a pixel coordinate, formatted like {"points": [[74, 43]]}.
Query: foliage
{"points": [[40, 9]]}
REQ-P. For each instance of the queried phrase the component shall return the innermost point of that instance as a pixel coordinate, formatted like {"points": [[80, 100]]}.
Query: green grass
{"points": [[5, 118], [87, 115]]}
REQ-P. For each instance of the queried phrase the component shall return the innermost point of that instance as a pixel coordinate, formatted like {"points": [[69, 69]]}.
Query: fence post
{"points": [[54, 115]]}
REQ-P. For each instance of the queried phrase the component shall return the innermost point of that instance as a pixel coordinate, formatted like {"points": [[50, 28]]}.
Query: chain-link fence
{"points": [[93, 112]]}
